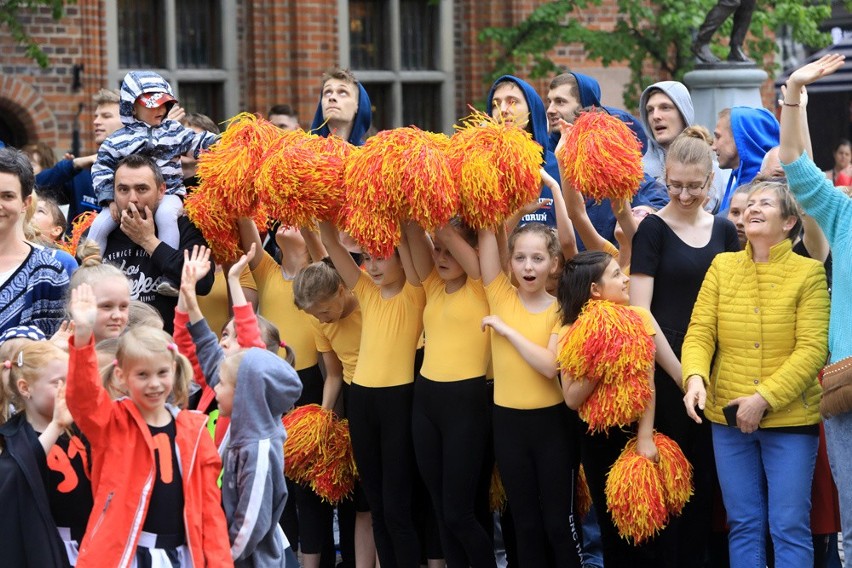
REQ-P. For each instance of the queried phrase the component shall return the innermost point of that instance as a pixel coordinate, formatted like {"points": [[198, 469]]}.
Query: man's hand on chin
{"points": [[139, 226]]}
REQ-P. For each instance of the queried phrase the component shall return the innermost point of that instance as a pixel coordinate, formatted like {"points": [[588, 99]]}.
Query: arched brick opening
{"points": [[24, 116]]}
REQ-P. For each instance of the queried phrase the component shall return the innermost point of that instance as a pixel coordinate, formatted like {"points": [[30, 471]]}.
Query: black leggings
{"points": [[537, 456], [599, 453], [451, 434], [380, 426]]}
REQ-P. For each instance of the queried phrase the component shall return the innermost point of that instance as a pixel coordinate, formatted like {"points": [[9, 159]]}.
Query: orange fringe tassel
{"points": [[608, 345], [582, 494], [496, 493], [602, 158], [497, 169], [318, 452], [79, 225], [637, 489]]}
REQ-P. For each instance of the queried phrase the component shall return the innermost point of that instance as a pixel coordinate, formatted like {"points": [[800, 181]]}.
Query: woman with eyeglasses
{"points": [[672, 250]]}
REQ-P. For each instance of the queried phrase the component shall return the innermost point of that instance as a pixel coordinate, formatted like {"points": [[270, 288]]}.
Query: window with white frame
{"points": [[191, 43], [402, 52]]}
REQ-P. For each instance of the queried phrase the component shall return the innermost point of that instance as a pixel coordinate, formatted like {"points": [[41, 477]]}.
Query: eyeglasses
{"points": [[691, 189]]}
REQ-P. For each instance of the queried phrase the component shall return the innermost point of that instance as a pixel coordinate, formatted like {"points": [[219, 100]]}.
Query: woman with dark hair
{"points": [[841, 173]]}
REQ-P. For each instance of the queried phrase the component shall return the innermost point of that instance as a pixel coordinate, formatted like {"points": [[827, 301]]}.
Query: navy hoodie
{"points": [[755, 131], [363, 118], [538, 122]]}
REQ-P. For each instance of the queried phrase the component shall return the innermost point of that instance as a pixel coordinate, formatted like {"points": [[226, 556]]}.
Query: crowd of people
{"points": [[143, 385]]}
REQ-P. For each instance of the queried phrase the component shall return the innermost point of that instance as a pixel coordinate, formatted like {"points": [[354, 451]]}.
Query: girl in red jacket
{"points": [[154, 468]]}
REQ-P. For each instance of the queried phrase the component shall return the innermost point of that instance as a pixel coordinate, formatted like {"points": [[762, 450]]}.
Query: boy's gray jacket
{"points": [[164, 143], [253, 486]]}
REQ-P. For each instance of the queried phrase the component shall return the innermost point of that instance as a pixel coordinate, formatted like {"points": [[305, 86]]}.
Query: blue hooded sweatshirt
{"points": [[363, 119], [755, 132], [538, 122]]}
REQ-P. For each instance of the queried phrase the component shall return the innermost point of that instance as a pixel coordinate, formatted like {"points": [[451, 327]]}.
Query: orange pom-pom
{"points": [[79, 225], [582, 494], [227, 169], [608, 344], [218, 225], [635, 496], [642, 495], [497, 169], [602, 158], [318, 452], [675, 472], [427, 182]]}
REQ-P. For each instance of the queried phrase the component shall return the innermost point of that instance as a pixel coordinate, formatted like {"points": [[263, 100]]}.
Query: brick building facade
{"points": [[420, 61]]}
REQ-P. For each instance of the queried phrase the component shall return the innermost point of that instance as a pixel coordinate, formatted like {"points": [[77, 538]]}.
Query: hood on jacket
{"points": [[135, 84], [267, 387], [755, 132], [361, 124], [655, 157], [538, 115], [589, 91]]}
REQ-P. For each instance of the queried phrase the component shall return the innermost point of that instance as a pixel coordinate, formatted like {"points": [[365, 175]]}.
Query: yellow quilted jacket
{"points": [[764, 328]]}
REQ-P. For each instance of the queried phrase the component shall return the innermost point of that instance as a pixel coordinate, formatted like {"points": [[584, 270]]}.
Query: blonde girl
{"points": [[112, 294], [154, 467]]}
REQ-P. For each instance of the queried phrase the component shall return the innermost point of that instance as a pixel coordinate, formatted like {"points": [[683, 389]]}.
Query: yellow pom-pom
{"points": [[602, 158], [608, 344], [497, 169], [675, 472]]}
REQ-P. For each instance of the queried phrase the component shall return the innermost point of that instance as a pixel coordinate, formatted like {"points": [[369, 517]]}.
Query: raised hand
{"points": [[63, 334], [61, 414], [83, 308], [196, 264], [237, 268], [822, 67]]}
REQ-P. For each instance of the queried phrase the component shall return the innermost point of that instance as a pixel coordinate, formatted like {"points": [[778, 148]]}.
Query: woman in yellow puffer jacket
{"points": [[756, 341]]}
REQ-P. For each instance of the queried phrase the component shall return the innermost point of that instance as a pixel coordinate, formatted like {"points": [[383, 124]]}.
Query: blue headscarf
{"points": [[360, 125]]}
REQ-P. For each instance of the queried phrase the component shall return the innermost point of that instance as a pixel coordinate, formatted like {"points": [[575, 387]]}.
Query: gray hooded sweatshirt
{"points": [[253, 486], [654, 160]]}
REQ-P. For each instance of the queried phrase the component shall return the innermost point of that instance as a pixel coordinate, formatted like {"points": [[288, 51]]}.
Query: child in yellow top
{"points": [[451, 397], [391, 299], [534, 432]]}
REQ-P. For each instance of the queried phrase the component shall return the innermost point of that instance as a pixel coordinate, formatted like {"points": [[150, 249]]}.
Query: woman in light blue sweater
{"points": [[832, 210]]}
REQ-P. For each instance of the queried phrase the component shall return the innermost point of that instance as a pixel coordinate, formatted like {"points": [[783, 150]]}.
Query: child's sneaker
{"points": [[166, 288]]}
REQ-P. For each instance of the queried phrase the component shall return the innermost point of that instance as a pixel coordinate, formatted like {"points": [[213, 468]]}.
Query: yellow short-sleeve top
{"points": [[275, 303], [456, 346], [343, 337], [389, 334], [516, 383]]}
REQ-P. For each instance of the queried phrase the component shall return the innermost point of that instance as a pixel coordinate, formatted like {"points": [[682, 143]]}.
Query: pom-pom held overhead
{"points": [[227, 170], [318, 452], [608, 344], [301, 177], [398, 174], [643, 495], [496, 167], [218, 225], [601, 157]]}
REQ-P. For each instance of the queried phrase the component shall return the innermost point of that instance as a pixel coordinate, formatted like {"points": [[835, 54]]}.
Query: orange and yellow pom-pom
{"points": [[79, 225], [301, 178], [638, 490], [318, 452], [496, 492], [582, 494], [426, 181], [218, 225], [227, 169], [608, 344], [675, 471], [496, 167], [602, 158]]}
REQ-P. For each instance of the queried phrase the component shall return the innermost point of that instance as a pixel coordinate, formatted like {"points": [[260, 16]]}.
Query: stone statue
{"points": [[742, 11]]}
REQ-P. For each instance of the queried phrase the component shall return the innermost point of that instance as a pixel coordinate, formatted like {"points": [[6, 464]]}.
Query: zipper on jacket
{"points": [[202, 432], [138, 518], [103, 513]]}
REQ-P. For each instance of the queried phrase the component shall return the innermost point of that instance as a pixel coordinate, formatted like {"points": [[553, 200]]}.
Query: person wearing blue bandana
{"points": [[344, 107]]}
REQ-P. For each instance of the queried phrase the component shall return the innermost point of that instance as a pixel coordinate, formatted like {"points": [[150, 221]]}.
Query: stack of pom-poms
{"points": [[318, 452], [643, 495]]}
